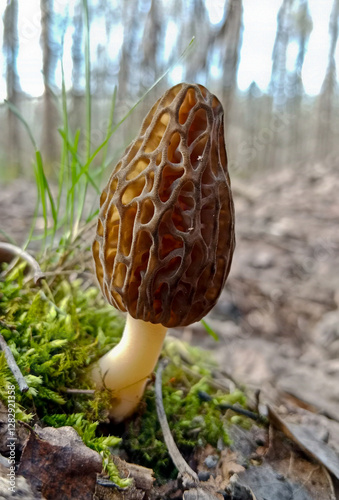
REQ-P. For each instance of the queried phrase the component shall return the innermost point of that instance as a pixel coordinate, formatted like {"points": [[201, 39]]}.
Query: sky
{"points": [[255, 64]]}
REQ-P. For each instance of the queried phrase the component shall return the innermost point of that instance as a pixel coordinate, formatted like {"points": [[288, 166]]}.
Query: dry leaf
{"points": [[228, 464], [59, 465], [308, 442]]}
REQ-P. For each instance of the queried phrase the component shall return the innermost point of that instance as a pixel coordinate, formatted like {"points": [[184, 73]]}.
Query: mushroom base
{"points": [[126, 369]]}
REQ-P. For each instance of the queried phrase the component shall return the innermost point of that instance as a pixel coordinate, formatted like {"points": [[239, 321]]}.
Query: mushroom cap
{"points": [[165, 232]]}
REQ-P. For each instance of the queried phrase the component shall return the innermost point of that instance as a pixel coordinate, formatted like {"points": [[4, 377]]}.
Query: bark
{"points": [[49, 145], [78, 73], [11, 48], [302, 29], [326, 99], [151, 41], [278, 74], [230, 38], [129, 75]]}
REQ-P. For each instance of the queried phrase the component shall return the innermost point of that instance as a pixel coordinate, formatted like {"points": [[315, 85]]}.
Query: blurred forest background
{"points": [[133, 42]]}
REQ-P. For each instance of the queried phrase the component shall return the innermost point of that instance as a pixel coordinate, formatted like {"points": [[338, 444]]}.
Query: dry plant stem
{"points": [[8, 252], [184, 469], [125, 369], [90, 392], [13, 366]]}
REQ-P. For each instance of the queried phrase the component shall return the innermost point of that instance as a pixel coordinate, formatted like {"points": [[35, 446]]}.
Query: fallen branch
{"points": [[188, 474], [13, 366]]}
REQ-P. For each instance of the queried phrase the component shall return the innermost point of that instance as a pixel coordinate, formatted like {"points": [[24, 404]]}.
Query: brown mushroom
{"points": [[165, 234]]}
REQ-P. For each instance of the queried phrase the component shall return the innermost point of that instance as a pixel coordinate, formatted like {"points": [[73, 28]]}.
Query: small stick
{"points": [[7, 326], [79, 391], [241, 411], [181, 464], [9, 251], [13, 366]]}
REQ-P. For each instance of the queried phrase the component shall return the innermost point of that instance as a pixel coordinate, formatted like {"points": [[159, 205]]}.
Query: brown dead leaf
{"points": [[229, 464], [308, 442], [322, 393], [305, 477], [58, 464], [200, 494]]}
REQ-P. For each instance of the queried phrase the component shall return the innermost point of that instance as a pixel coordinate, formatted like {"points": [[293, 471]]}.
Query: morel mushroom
{"points": [[165, 234]]}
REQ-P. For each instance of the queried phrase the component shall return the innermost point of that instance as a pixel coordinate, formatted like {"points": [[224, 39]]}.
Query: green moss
{"points": [[55, 339], [193, 421], [53, 343]]}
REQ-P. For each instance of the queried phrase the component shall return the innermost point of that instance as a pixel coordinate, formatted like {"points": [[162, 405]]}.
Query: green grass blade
{"points": [[64, 165], [71, 192], [45, 193], [47, 188], [210, 331], [74, 153], [33, 224], [88, 78], [109, 127], [8, 237], [17, 113], [115, 128]]}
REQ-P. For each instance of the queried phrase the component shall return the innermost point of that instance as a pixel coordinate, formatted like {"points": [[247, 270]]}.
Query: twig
{"points": [[107, 483], [179, 462], [7, 326], [241, 411], [9, 251], [13, 366], [79, 391], [29, 428]]}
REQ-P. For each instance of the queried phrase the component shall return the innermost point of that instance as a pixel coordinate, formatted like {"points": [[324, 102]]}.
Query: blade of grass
{"points": [[88, 79], [109, 128], [115, 128], [105, 149], [74, 153], [42, 197], [35, 216], [45, 193], [71, 192], [17, 113], [64, 165], [83, 190], [41, 181], [46, 187], [209, 330], [8, 237]]}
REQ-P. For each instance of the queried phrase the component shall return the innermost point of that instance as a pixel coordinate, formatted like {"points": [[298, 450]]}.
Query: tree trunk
{"points": [[11, 48], [77, 91], [49, 145], [326, 98], [230, 38]]}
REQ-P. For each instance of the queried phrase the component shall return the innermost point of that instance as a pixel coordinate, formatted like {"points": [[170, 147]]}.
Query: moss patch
{"points": [[55, 339]]}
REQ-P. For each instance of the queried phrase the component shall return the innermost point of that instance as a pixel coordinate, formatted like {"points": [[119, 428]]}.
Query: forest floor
{"points": [[277, 319]]}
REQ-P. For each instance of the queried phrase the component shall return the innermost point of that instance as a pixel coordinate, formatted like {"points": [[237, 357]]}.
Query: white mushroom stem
{"points": [[127, 367]]}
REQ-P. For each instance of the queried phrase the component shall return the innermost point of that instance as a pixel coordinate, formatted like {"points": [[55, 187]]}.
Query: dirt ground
{"points": [[278, 317]]}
